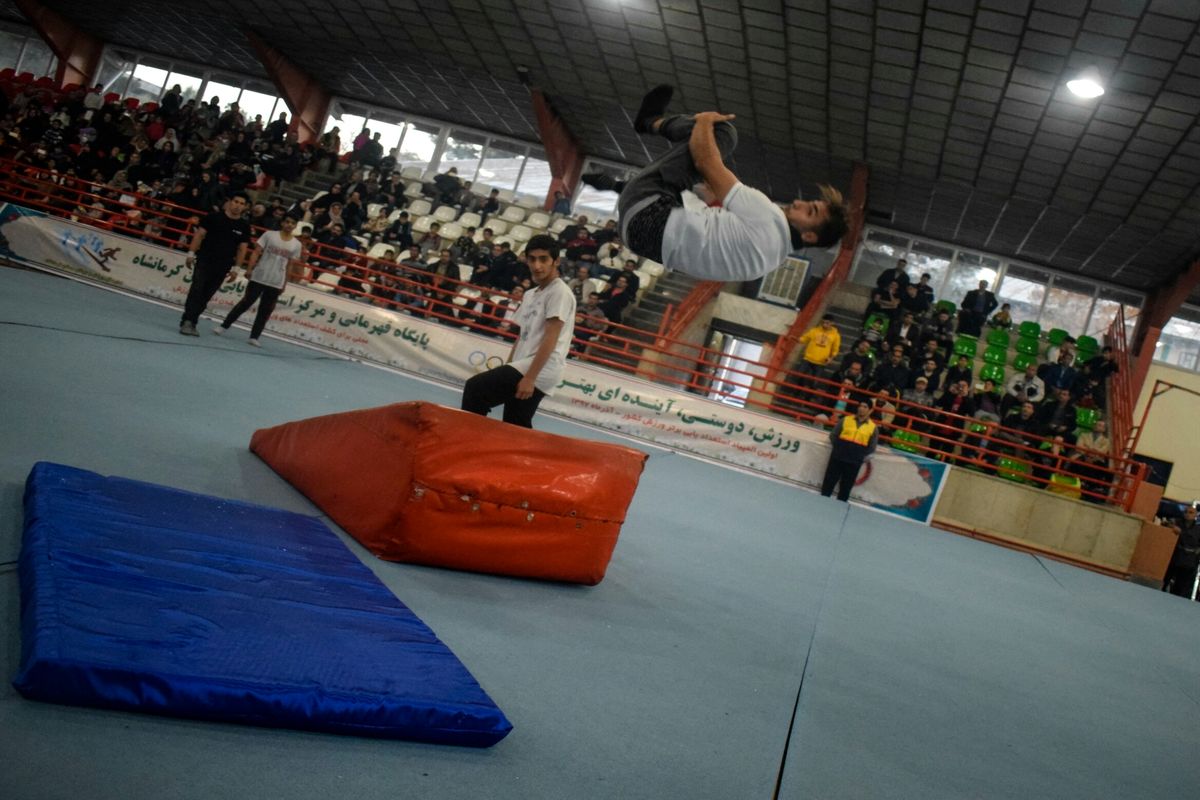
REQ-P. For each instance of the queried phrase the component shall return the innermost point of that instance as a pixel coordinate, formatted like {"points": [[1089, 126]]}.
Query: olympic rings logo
{"points": [[482, 362]]}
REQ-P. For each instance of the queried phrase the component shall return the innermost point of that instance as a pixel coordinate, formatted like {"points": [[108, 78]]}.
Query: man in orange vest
{"points": [[853, 438]]}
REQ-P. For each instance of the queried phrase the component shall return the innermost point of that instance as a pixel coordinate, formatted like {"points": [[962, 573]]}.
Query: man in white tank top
{"points": [[744, 238]]}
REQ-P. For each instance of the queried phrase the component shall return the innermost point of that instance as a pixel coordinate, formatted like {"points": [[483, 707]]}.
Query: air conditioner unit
{"points": [[785, 284]]}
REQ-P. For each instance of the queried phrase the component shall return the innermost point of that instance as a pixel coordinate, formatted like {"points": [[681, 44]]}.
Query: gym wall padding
{"points": [[146, 598], [425, 484]]}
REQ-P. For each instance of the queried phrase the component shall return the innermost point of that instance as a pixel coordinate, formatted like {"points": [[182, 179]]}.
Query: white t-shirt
{"points": [[745, 238], [272, 266], [553, 301]]}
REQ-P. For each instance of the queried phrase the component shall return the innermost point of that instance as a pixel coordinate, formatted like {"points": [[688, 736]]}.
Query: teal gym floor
{"points": [[751, 640]]}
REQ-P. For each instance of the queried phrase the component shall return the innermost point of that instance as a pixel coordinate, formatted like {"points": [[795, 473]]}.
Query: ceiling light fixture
{"points": [[1087, 85]]}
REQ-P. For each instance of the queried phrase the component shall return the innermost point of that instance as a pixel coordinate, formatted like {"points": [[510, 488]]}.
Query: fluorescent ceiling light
{"points": [[1085, 86]]}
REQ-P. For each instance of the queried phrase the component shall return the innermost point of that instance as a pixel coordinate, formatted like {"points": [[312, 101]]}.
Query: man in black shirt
{"points": [[217, 248]]}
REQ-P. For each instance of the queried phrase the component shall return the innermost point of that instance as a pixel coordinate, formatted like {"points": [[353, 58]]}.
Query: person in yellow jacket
{"points": [[853, 438], [821, 344]]}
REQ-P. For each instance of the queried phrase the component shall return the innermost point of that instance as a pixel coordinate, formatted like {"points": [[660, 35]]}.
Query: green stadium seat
{"points": [[945, 305], [993, 373], [1012, 470], [965, 346], [1027, 346], [906, 440], [995, 355], [998, 338], [1086, 348], [1057, 336], [1066, 485], [1029, 330], [1023, 360], [1085, 418]]}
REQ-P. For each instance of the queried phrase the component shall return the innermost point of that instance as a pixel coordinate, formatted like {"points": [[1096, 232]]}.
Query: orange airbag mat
{"points": [[425, 484]]}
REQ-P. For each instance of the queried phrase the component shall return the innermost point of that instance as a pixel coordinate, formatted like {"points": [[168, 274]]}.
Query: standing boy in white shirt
{"points": [[267, 273], [744, 238], [547, 323]]}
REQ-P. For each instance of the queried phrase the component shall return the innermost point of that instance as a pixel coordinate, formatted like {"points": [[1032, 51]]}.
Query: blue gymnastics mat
{"points": [[145, 598]]}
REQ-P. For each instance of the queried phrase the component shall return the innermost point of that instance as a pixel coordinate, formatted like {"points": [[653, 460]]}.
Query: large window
{"points": [[879, 252], [1068, 305], [10, 49], [1052, 300], [463, 151], [37, 58], [501, 165], [225, 93], [535, 180], [188, 84], [418, 146], [934, 259], [148, 82], [256, 103], [966, 273], [1025, 289], [1179, 344]]}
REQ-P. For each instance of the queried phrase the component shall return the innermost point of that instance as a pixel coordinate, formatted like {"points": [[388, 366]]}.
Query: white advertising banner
{"points": [[891, 481]]}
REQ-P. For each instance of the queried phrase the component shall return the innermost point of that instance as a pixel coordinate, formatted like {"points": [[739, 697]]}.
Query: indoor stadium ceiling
{"points": [[957, 106]]}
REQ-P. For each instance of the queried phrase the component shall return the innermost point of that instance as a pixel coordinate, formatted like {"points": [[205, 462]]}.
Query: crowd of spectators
{"points": [[156, 168], [905, 364]]}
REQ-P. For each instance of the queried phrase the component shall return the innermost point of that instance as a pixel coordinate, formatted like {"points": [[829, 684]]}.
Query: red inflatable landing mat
{"points": [[425, 484]]}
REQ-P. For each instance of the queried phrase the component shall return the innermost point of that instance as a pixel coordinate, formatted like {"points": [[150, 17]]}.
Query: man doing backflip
{"points": [[744, 238], [547, 322]]}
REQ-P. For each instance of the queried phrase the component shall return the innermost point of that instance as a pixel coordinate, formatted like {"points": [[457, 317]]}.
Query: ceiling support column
{"points": [[78, 52], [306, 99], [562, 150]]}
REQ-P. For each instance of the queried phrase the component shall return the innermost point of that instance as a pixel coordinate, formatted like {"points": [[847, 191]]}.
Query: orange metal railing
{"points": [[669, 361]]}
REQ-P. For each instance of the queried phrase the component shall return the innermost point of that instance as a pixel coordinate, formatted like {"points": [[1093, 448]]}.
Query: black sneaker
{"points": [[598, 180], [653, 106]]}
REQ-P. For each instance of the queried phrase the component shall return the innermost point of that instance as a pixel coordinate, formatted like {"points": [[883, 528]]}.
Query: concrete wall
{"points": [[1170, 430], [1039, 518]]}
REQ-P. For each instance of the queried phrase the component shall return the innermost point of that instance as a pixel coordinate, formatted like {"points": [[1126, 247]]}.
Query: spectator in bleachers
{"points": [[884, 300], [960, 371], [580, 284], [616, 298], [1067, 346], [431, 240], [1020, 426], [988, 400], [562, 204], [896, 274], [862, 354], [1092, 449], [1059, 375], [955, 402], [629, 272], [930, 350], [917, 404], [609, 261], [892, 372], [448, 186], [906, 333], [329, 147], [940, 329], [1094, 375], [507, 269], [590, 322], [400, 233], [874, 332], [490, 206], [330, 217], [884, 407], [583, 248], [1024, 387], [821, 344], [1002, 319], [1056, 416], [572, 231], [607, 234], [464, 250], [924, 289], [974, 309], [507, 309], [931, 371], [912, 302], [377, 225], [354, 212]]}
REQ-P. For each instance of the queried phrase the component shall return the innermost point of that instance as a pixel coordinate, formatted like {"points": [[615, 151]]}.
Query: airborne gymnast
{"points": [[745, 237]]}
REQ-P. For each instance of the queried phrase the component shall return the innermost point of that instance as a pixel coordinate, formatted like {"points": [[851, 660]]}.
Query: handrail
{"points": [[401, 287], [686, 311], [1121, 401]]}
